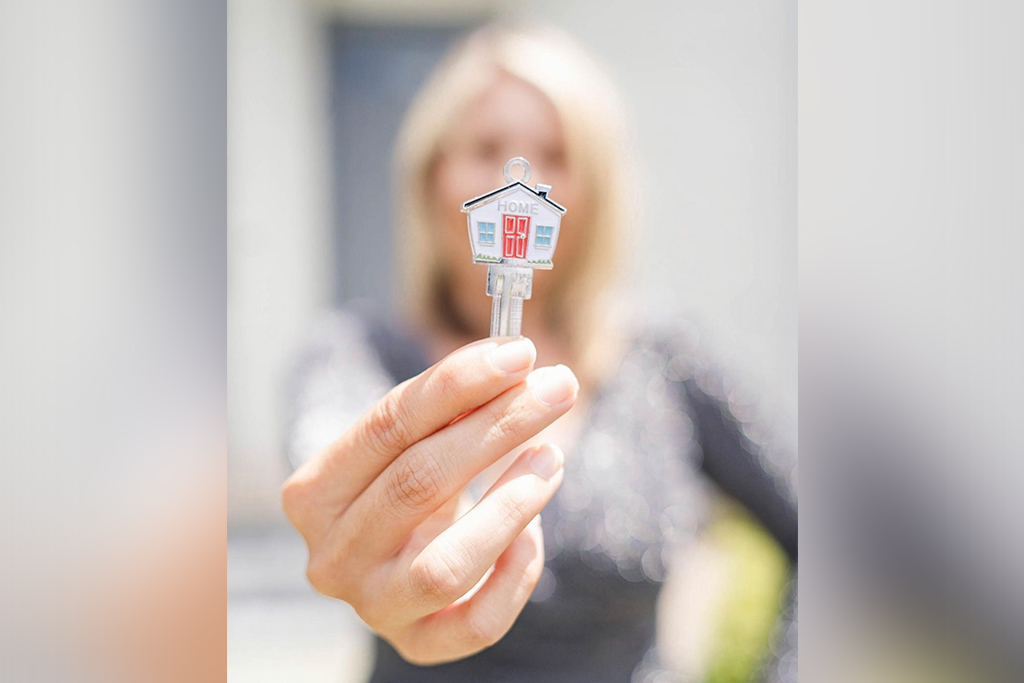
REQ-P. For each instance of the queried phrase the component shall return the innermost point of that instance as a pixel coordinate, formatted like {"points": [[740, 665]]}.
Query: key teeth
{"points": [[515, 317], [495, 308], [509, 286]]}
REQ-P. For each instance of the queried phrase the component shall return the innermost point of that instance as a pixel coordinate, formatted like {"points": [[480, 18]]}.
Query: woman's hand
{"points": [[378, 507]]}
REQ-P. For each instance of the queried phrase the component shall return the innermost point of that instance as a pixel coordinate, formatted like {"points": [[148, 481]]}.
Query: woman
{"points": [[494, 591]]}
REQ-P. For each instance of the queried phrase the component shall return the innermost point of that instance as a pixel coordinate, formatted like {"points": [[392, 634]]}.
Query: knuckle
{"points": [[482, 630], [323, 575], [508, 426], [387, 428], [294, 493], [413, 483], [375, 610], [514, 510], [299, 503], [447, 382], [330, 572], [434, 581]]}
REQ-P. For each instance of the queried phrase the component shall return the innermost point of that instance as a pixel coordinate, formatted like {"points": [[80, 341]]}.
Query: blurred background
{"points": [[316, 92], [112, 211]]}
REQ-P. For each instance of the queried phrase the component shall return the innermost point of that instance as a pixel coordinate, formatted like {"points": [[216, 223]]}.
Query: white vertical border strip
{"points": [[279, 270]]}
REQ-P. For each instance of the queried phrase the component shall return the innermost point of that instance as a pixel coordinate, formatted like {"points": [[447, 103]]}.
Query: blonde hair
{"points": [[588, 107]]}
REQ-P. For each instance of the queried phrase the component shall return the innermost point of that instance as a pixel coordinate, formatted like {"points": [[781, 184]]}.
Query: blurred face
{"points": [[511, 118]]}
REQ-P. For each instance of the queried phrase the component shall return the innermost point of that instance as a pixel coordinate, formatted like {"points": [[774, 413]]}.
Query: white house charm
{"points": [[513, 229]]}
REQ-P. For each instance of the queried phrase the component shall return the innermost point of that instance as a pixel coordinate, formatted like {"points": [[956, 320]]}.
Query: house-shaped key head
{"points": [[515, 225]]}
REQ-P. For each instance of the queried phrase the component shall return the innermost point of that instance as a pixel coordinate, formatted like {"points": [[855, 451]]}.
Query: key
{"points": [[509, 286], [513, 229]]}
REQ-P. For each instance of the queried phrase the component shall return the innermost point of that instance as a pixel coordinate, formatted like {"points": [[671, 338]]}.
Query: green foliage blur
{"points": [[757, 569]]}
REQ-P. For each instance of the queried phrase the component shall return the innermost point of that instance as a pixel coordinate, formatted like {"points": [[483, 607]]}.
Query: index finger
{"points": [[465, 379]]}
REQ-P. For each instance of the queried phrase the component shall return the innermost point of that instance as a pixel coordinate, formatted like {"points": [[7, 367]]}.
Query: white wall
{"points": [[278, 226], [712, 87]]}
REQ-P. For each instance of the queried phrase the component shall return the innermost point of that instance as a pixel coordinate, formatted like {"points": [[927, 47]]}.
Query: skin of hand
{"points": [[378, 507]]}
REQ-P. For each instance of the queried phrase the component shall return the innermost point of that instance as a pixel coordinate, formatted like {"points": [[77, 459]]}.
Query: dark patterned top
{"points": [[660, 434]]}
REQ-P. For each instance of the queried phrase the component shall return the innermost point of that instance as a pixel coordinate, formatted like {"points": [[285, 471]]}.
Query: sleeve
{"points": [[749, 452], [338, 376]]}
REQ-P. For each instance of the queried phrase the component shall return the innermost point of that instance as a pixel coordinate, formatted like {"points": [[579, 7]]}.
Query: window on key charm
{"points": [[486, 232], [515, 230], [542, 240]]}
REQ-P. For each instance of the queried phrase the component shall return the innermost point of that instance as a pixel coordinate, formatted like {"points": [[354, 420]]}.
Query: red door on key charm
{"points": [[516, 230]]}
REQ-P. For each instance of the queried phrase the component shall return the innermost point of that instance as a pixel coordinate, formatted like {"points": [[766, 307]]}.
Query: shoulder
{"points": [[707, 365], [685, 352], [747, 435], [338, 374], [725, 395], [361, 336], [335, 332], [338, 345]]}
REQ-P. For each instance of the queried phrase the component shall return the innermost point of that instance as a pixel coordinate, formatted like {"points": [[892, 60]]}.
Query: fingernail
{"points": [[546, 461], [514, 356], [554, 386]]}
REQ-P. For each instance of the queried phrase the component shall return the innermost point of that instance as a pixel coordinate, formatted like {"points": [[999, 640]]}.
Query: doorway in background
{"points": [[375, 71]]}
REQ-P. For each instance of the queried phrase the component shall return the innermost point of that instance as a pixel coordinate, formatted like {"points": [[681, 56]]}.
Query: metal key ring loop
{"points": [[517, 161]]}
